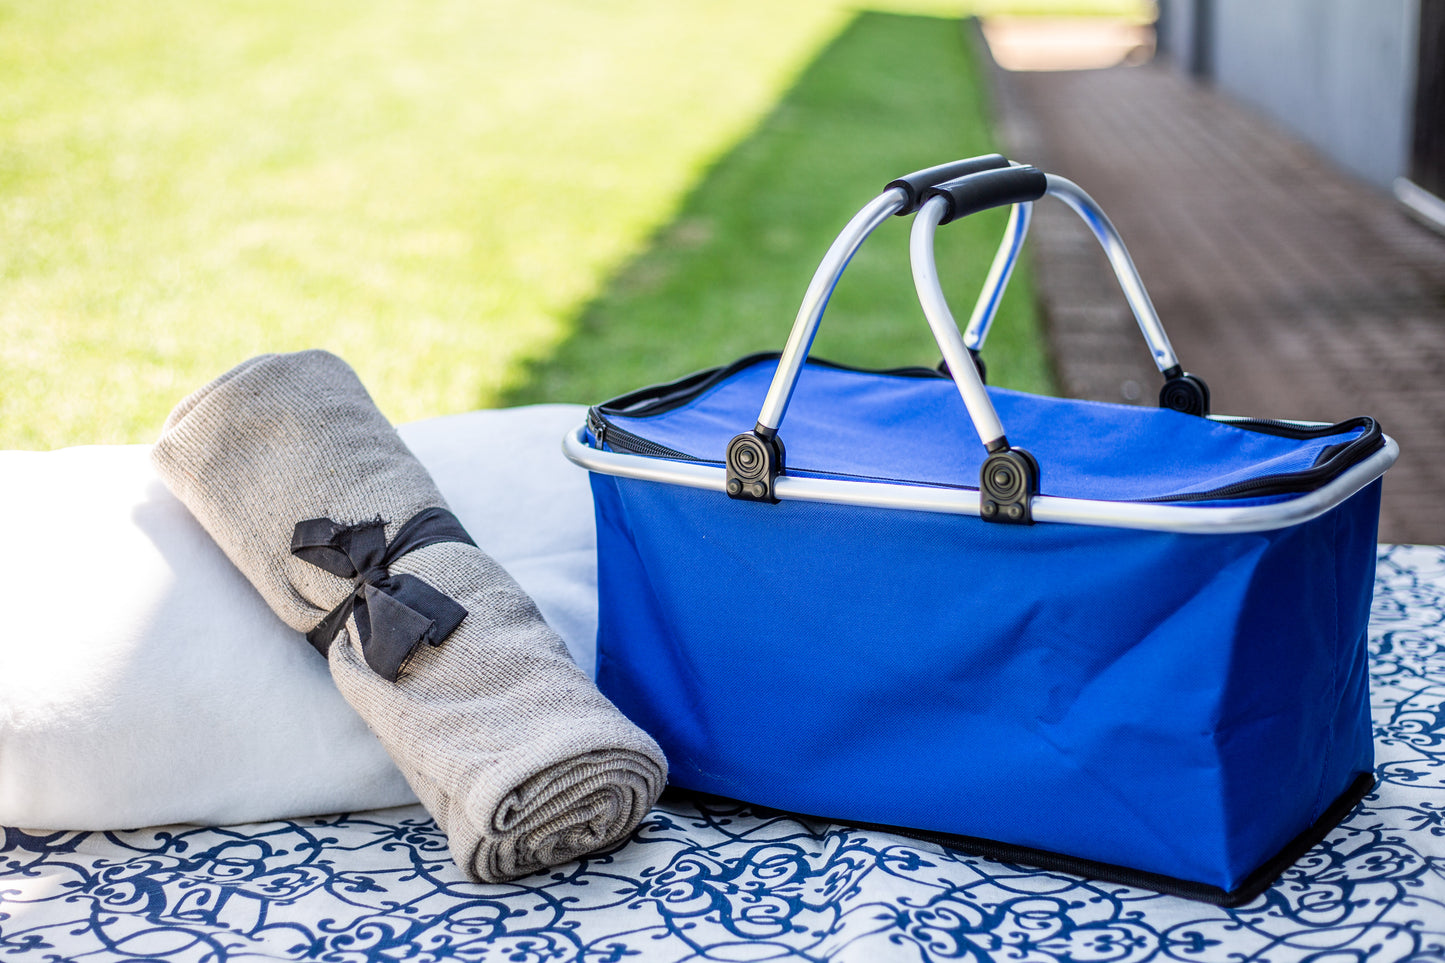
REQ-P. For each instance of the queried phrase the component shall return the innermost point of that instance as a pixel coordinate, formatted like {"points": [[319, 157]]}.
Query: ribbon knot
{"points": [[394, 613]]}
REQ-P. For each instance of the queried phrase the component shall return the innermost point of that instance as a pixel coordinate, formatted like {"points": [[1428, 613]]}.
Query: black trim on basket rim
{"points": [[607, 432], [664, 397], [667, 396], [1264, 876], [1331, 461]]}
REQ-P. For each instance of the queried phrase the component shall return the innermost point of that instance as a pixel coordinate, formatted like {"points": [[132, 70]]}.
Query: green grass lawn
{"points": [[472, 203], [891, 94]]}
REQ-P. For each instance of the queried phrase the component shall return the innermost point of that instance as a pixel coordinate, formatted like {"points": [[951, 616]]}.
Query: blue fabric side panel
{"points": [[917, 429], [839, 662], [1153, 700], [634, 660], [1296, 730], [1357, 537], [1274, 732]]}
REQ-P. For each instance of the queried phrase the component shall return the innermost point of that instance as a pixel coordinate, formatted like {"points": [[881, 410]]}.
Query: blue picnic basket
{"points": [[1123, 642]]}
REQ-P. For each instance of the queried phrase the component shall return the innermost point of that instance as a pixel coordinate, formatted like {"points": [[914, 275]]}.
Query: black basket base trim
{"points": [[1251, 887]]}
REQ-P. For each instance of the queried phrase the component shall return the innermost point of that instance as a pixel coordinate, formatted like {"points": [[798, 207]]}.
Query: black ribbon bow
{"points": [[394, 613]]}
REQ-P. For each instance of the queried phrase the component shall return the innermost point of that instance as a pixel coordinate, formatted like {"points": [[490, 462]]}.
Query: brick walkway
{"points": [[1293, 290]]}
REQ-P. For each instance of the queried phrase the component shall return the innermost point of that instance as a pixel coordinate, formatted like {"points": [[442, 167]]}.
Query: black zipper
{"points": [[1331, 462], [1285, 429], [660, 398], [620, 439]]}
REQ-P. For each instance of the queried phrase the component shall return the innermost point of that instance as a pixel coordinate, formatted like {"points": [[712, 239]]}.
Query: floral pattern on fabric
{"points": [[702, 880]]}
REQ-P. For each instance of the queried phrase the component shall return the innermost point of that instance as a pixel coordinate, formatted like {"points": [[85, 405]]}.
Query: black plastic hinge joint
{"points": [[1184, 392], [1010, 477], [754, 461]]}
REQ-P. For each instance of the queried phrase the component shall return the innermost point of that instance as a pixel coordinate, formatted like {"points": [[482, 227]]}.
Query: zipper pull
{"points": [[598, 428]]}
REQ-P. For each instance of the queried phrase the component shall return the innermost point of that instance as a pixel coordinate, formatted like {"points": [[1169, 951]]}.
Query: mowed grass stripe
{"points": [[437, 192], [892, 94]]}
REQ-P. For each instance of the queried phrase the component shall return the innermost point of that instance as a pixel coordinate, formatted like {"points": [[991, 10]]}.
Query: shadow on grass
{"points": [[891, 94]]}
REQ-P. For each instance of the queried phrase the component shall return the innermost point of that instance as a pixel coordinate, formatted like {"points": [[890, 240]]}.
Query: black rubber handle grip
{"points": [[915, 184], [992, 188]]}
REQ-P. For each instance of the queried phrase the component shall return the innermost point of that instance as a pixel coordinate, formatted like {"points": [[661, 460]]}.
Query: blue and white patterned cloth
{"points": [[705, 882]]}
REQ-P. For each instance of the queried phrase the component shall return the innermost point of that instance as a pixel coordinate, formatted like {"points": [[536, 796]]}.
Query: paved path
{"points": [[1294, 290]]}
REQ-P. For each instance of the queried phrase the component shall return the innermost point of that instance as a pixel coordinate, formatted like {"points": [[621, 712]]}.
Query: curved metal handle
{"points": [[899, 197], [988, 190], [754, 459], [1009, 477], [1108, 237], [944, 327], [985, 309]]}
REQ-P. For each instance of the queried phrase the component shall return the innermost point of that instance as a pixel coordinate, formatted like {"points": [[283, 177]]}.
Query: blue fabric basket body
{"points": [[1175, 705]]}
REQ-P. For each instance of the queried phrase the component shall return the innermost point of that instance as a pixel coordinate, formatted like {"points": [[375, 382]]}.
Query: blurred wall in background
{"points": [[1342, 74]]}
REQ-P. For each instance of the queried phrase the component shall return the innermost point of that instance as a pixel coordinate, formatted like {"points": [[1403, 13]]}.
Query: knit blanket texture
{"points": [[505, 741]]}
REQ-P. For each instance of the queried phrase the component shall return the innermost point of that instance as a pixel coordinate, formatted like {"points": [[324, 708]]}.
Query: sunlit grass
{"points": [[433, 190], [892, 94]]}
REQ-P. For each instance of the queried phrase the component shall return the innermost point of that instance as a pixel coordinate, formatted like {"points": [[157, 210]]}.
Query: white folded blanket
{"points": [[143, 681]]}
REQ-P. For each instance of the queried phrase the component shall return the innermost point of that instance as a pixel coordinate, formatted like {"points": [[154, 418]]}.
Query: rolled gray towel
{"points": [[508, 744]]}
